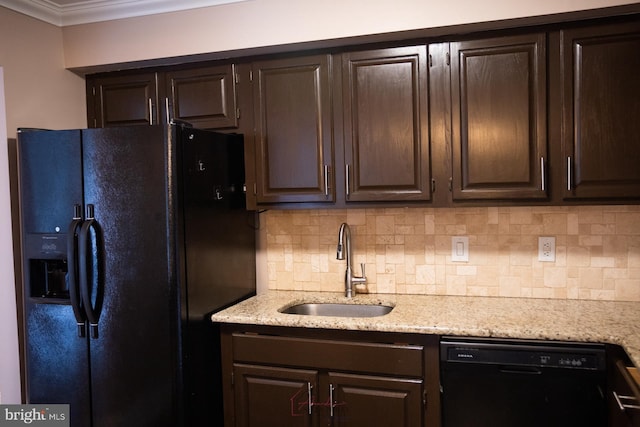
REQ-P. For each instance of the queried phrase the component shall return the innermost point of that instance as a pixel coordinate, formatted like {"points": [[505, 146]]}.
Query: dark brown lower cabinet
{"points": [[364, 400], [623, 390], [273, 396], [292, 377]]}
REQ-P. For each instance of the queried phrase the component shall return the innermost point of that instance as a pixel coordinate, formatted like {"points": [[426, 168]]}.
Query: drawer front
{"points": [[625, 397], [382, 358]]}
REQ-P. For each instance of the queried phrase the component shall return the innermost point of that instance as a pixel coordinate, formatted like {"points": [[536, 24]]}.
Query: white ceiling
{"points": [[72, 12]]}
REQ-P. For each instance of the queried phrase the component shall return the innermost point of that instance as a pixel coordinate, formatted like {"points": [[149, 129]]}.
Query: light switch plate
{"points": [[546, 249], [459, 249]]}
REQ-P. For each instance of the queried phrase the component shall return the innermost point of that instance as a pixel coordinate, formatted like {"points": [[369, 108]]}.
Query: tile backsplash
{"points": [[408, 251]]}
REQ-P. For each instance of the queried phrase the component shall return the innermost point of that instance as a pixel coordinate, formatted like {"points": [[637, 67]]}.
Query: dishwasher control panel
{"points": [[523, 353]]}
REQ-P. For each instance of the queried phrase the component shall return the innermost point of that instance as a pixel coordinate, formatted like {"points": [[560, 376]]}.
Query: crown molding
{"points": [[83, 12]]}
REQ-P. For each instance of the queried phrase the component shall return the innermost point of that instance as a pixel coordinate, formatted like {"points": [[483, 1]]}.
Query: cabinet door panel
{"points": [[204, 97], [270, 396], [293, 130], [125, 100], [385, 124], [499, 118], [375, 401], [602, 89]]}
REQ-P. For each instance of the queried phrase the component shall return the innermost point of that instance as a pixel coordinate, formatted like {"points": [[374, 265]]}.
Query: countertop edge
{"points": [[607, 322]]}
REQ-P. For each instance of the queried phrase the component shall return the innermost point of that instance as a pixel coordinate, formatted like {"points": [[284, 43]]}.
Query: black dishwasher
{"points": [[521, 383]]}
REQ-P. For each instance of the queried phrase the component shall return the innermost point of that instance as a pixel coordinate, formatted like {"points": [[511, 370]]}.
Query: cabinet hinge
{"points": [[451, 184], [448, 58], [424, 398], [237, 113]]}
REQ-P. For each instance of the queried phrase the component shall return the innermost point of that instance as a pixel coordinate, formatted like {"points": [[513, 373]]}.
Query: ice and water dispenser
{"points": [[47, 265]]}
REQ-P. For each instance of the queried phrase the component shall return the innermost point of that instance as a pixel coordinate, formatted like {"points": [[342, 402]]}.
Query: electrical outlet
{"points": [[546, 249], [459, 249]]}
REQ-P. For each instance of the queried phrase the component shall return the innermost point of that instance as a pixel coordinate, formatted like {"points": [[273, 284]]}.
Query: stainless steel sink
{"points": [[338, 309]]}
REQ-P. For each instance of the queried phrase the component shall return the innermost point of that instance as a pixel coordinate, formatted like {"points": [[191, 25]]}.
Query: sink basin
{"points": [[338, 309]]}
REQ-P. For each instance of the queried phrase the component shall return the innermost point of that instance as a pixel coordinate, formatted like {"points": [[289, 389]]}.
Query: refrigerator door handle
{"points": [[72, 271], [85, 256]]}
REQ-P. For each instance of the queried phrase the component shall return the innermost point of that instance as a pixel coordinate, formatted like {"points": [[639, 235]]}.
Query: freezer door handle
{"points": [[89, 258], [72, 270]]}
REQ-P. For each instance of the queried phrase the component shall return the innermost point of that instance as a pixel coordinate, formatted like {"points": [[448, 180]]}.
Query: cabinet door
{"points": [[624, 407], [204, 97], [499, 118], [124, 100], [623, 390], [294, 153], [360, 400], [268, 396], [386, 140], [601, 87]]}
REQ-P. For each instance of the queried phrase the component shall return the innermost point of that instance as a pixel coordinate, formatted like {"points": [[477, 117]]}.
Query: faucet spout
{"points": [[344, 253], [342, 246]]}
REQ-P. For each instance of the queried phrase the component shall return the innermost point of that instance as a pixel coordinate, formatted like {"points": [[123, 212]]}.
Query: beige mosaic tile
{"points": [[408, 251]]}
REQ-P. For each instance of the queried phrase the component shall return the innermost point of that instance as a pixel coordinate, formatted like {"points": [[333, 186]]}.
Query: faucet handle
{"points": [[360, 283]]}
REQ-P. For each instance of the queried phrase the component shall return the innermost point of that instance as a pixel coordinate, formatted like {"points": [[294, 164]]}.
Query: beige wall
{"points": [[408, 251], [257, 23], [39, 91], [9, 364]]}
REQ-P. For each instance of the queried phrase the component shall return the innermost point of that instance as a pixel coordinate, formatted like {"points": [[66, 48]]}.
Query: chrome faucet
{"points": [[344, 245]]}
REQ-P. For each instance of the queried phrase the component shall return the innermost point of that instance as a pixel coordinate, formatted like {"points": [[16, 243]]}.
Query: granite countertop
{"points": [[529, 318]]}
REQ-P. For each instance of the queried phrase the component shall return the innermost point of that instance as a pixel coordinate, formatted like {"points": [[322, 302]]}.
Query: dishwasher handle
{"points": [[519, 370]]}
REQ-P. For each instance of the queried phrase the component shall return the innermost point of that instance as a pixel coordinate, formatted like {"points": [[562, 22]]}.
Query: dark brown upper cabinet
{"points": [[294, 142], [122, 100], [601, 121], [547, 115], [204, 97], [499, 133], [385, 124]]}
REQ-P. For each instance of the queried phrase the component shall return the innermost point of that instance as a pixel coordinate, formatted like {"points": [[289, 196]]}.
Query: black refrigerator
{"points": [[131, 238]]}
